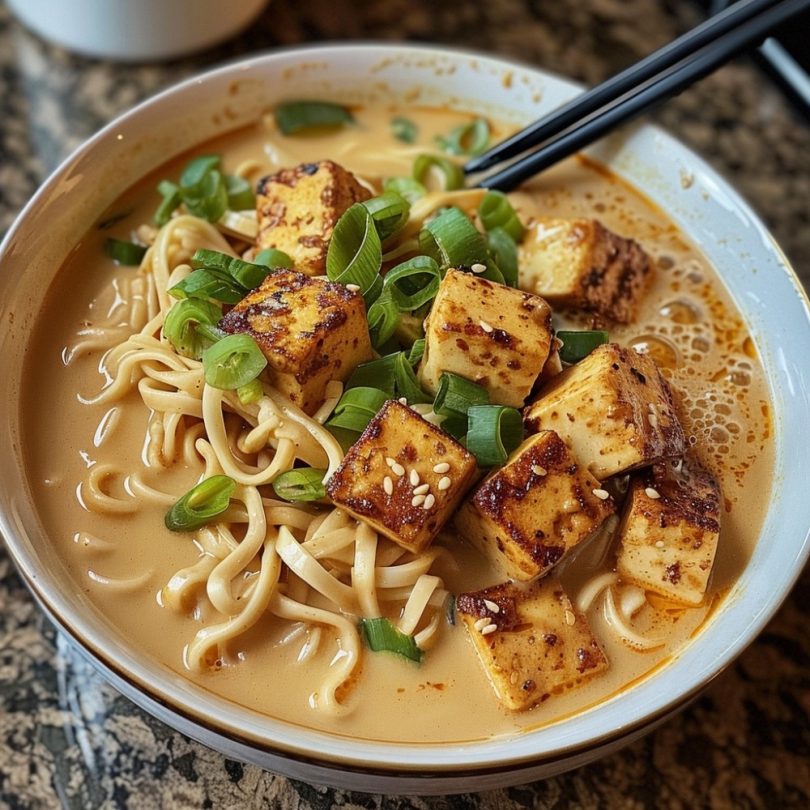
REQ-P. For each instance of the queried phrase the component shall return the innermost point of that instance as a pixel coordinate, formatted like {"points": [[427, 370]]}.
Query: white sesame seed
{"points": [[388, 485], [491, 606], [444, 483], [538, 470], [479, 268], [652, 493], [422, 489], [414, 478], [570, 618], [430, 501], [490, 628], [513, 677], [602, 494], [441, 467], [390, 461], [653, 420], [417, 500], [353, 287], [481, 623], [485, 326], [659, 543], [397, 469]]}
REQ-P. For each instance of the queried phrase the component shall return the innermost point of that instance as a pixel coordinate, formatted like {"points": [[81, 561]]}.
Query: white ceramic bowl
{"points": [[709, 211]]}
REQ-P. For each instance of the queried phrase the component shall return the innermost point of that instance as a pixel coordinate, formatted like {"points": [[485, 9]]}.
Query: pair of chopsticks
{"points": [[655, 78]]}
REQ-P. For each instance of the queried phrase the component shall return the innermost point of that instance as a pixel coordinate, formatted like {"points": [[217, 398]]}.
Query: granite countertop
{"points": [[67, 739]]}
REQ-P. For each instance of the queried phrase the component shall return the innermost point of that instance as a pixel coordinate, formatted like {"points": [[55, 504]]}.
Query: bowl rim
{"points": [[471, 757]]}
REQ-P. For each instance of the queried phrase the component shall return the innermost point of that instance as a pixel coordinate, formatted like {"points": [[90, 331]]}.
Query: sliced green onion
{"points": [[298, 116], [410, 329], [452, 240], [201, 504], [456, 426], [379, 374], [381, 636], [406, 383], [383, 317], [413, 283], [240, 193], [450, 609], [466, 139], [209, 199], [355, 253], [456, 395], [453, 175], [182, 322], [495, 211], [416, 352], [209, 285], [276, 259], [357, 407], [303, 484], [122, 252], [389, 212], [250, 393], [493, 432], [233, 362], [211, 333], [406, 187], [578, 345], [171, 200], [246, 274], [404, 129], [197, 169], [504, 252]]}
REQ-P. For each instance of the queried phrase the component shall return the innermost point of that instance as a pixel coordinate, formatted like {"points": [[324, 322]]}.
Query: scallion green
{"points": [[381, 636], [452, 240], [123, 252], [406, 383], [383, 317], [457, 395], [250, 393], [466, 139], [247, 275], [233, 362], [171, 200], [209, 285], [495, 211], [416, 352], [452, 173], [406, 187], [196, 170], [356, 408], [403, 129], [493, 432], [293, 117], [273, 258], [355, 252], [240, 193], [389, 212], [504, 253], [379, 374], [413, 283], [302, 484], [577, 345], [208, 199], [181, 326], [201, 504]]}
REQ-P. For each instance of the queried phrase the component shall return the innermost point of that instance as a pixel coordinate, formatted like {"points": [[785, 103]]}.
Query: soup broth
{"points": [[122, 560]]}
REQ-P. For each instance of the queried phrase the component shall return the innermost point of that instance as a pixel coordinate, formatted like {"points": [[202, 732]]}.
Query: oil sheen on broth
{"points": [[686, 321]]}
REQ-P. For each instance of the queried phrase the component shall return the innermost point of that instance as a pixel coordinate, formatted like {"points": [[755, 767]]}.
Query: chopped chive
{"points": [[354, 255], [381, 636], [578, 345], [233, 362], [413, 283], [457, 395], [375, 374], [416, 352], [452, 174], [495, 211], [466, 139], [389, 212], [303, 484], [182, 326], [493, 432], [383, 317], [356, 408], [452, 240], [201, 504], [293, 117]]}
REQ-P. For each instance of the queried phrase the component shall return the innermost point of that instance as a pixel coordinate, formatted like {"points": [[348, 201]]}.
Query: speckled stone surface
{"points": [[67, 739]]}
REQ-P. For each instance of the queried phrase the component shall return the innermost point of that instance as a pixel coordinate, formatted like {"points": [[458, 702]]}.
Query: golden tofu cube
{"points": [[491, 334], [297, 210], [527, 515], [403, 476], [531, 641], [310, 330], [614, 409], [580, 263], [669, 531]]}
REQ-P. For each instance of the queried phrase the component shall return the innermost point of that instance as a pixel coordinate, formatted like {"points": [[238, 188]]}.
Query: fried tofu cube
{"points": [[580, 263], [491, 334], [614, 409], [531, 641], [527, 515], [669, 531], [310, 330], [403, 476], [297, 210]]}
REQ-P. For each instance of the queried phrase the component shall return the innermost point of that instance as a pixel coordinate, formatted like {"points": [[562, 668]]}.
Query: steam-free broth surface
{"points": [[122, 561]]}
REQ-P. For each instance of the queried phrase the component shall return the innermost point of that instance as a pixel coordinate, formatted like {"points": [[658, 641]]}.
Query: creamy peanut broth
{"points": [[123, 557]]}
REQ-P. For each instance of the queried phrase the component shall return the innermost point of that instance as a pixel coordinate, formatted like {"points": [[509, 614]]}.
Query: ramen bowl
{"points": [[707, 211]]}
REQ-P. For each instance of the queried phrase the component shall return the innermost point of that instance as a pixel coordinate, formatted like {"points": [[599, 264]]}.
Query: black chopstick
{"points": [[590, 101], [640, 97]]}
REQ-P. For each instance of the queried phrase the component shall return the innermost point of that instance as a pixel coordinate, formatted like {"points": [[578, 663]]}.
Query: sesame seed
{"points": [[422, 489], [417, 500], [353, 287], [652, 493], [479, 268], [430, 501], [602, 494], [538, 470], [490, 628], [513, 677], [390, 461], [441, 467], [570, 618], [397, 469], [485, 326], [481, 623], [414, 478], [491, 606], [659, 543], [653, 420], [402, 401], [388, 485], [444, 483]]}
